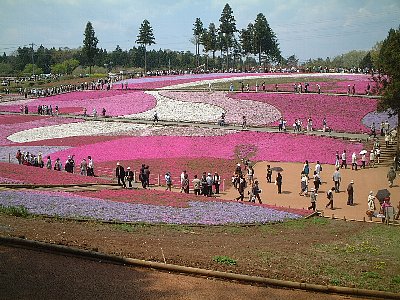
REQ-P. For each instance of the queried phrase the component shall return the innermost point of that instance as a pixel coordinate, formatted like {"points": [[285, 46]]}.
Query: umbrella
{"points": [[277, 169], [382, 194], [363, 152]]}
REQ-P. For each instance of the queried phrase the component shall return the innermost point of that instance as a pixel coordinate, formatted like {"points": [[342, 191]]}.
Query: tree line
{"points": [[217, 47]]}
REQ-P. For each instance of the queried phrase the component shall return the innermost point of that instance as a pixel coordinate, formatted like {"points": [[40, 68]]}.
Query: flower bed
{"points": [[197, 212], [257, 113], [342, 113], [9, 129], [15, 119], [378, 118], [7, 152], [158, 167], [115, 102], [269, 146], [40, 176], [172, 110]]}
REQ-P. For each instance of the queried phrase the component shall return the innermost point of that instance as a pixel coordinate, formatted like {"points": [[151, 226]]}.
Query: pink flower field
{"points": [[13, 173], [270, 146], [115, 102], [342, 113]]}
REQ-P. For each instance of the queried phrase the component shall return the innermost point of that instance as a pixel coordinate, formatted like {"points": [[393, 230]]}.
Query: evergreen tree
{"points": [[198, 32], [388, 79], [145, 37], [265, 41], [89, 49], [227, 28], [210, 40]]}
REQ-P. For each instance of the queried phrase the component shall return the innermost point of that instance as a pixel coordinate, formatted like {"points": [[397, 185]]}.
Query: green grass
{"points": [[17, 211], [225, 260], [130, 227]]}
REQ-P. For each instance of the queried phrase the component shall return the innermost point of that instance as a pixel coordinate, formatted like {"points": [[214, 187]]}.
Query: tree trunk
{"points": [[145, 61], [398, 133]]}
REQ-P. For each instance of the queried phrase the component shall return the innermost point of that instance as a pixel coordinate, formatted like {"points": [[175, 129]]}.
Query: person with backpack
{"points": [[306, 169], [255, 191], [329, 195]]}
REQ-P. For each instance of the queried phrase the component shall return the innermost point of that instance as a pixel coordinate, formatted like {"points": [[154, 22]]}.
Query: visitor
{"points": [[350, 193], [371, 206], [241, 187], [329, 195], [90, 168], [336, 177], [83, 167], [354, 161], [313, 199], [168, 181], [255, 191], [48, 163], [344, 160], [217, 182], [185, 184], [120, 175], [304, 185], [391, 176], [129, 176], [269, 174], [278, 182], [317, 181], [196, 185]]}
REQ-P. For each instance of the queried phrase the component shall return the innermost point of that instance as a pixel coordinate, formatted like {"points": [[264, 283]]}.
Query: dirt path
{"points": [[365, 180], [40, 275]]}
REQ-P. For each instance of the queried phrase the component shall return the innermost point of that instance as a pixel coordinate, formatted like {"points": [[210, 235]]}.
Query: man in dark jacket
{"points": [[120, 174]]}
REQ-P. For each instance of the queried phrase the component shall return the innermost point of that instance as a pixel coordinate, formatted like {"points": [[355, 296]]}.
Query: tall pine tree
{"points": [[89, 50], [145, 37]]}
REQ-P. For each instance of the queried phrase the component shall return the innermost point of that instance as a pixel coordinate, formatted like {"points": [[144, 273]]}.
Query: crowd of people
{"points": [[85, 168]]}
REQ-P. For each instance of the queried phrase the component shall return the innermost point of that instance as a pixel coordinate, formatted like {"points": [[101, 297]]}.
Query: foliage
{"points": [[145, 37], [225, 260], [198, 31], [89, 49], [17, 211], [31, 69], [66, 67], [388, 79]]}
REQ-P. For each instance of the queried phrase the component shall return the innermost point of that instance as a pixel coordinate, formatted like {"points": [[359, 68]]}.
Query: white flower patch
{"points": [[88, 128], [248, 77], [173, 110]]}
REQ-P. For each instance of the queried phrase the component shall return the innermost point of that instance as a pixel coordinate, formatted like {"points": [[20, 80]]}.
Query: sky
{"points": [[305, 28]]}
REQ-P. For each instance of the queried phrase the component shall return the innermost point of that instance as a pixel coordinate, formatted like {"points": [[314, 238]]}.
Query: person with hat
{"points": [[129, 176], [371, 205], [120, 174], [313, 199], [391, 176], [350, 193]]}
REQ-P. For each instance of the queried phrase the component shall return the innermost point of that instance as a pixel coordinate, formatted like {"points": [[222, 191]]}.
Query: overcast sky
{"points": [[306, 28]]}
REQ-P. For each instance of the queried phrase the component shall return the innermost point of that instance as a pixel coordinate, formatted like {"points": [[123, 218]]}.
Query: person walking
{"points": [[313, 199], [83, 167], [278, 182], [185, 184], [304, 185], [90, 169], [329, 195], [371, 205], [354, 161], [317, 181], [48, 163], [168, 181], [120, 174], [350, 193], [241, 187], [209, 180], [391, 176], [344, 160], [129, 176], [196, 185], [217, 182], [337, 179], [269, 174], [255, 190]]}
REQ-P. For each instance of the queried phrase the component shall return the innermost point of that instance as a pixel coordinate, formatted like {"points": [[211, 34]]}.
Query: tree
{"points": [[145, 37], [198, 32], [388, 79], [366, 63], [264, 39], [89, 50], [210, 40], [28, 70], [227, 28]]}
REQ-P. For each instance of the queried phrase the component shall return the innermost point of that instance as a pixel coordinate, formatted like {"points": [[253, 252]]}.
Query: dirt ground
{"points": [[365, 180]]}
